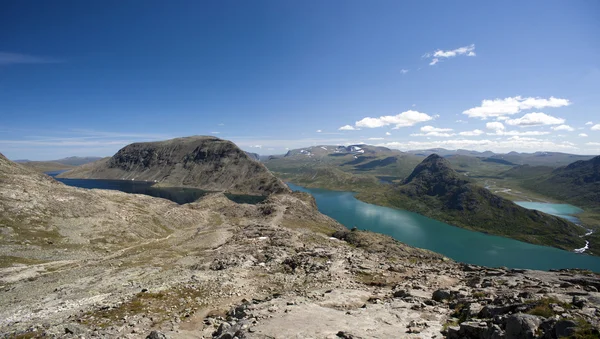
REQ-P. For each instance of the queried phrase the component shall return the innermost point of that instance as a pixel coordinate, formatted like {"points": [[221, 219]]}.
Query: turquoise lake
{"points": [[564, 211], [454, 242]]}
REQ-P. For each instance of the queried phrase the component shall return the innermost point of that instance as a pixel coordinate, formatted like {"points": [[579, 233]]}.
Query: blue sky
{"points": [[88, 77]]}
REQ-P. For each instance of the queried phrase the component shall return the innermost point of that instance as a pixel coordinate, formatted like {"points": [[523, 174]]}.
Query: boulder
{"points": [[441, 295], [156, 335], [522, 326], [565, 328]]}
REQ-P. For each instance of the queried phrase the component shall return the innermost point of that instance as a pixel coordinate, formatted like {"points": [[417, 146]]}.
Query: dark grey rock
{"points": [[579, 302], [565, 328], [473, 329], [441, 295], [156, 335], [401, 294], [522, 326]]}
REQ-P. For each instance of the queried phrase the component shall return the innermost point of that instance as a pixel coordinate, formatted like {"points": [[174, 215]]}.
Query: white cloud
{"points": [[388, 133], [472, 133], [589, 123], [508, 106], [519, 144], [256, 146], [499, 129], [440, 54], [404, 119], [435, 129], [430, 131], [433, 134], [563, 128], [519, 133], [583, 135], [496, 126], [376, 139], [347, 128], [460, 121], [319, 131], [595, 127], [404, 71], [535, 119], [215, 132]]}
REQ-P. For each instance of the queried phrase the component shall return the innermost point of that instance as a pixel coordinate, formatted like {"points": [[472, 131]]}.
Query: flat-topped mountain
{"points": [[435, 190], [203, 162]]}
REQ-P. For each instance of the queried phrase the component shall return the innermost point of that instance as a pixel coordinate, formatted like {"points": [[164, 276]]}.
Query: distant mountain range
{"points": [[70, 161]]}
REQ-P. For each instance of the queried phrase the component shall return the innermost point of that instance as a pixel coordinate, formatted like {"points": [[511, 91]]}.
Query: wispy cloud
{"points": [[7, 58], [438, 55], [404, 71], [515, 143]]}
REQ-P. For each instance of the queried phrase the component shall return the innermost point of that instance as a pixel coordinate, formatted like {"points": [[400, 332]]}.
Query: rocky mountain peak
{"points": [[433, 172], [204, 162]]}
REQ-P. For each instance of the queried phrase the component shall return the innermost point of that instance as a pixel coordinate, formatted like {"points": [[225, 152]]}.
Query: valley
{"points": [[315, 169]]}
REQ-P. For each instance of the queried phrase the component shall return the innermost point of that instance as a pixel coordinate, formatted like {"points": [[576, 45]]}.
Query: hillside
{"points": [[435, 190], [96, 263], [46, 166], [353, 159], [331, 178], [577, 183], [208, 163]]}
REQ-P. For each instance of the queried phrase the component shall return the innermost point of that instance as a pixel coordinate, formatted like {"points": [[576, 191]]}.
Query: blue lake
{"points": [[564, 211], [454, 242]]}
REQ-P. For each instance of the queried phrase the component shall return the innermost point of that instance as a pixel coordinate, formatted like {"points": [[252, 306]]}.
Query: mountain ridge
{"points": [[203, 162], [436, 190]]}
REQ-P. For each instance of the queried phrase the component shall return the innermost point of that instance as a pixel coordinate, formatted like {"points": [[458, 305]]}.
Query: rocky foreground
{"points": [[103, 264]]}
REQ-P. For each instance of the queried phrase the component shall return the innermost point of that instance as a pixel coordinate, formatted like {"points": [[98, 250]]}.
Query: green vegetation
{"points": [[330, 178], [543, 307], [438, 192], [160, 306]]}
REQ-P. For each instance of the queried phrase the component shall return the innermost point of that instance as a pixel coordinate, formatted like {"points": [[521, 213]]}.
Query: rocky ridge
{"points": [[104, 264], [207, 163]]}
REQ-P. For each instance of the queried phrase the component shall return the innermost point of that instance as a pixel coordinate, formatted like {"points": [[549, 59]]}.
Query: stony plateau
{"points": [[105, 264]]}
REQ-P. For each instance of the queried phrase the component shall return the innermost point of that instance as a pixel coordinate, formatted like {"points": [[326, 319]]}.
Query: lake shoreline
{"points": [[486, 255]]}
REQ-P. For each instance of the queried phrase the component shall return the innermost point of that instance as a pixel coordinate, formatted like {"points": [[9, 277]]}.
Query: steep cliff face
{"points": [[204, 162]]}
